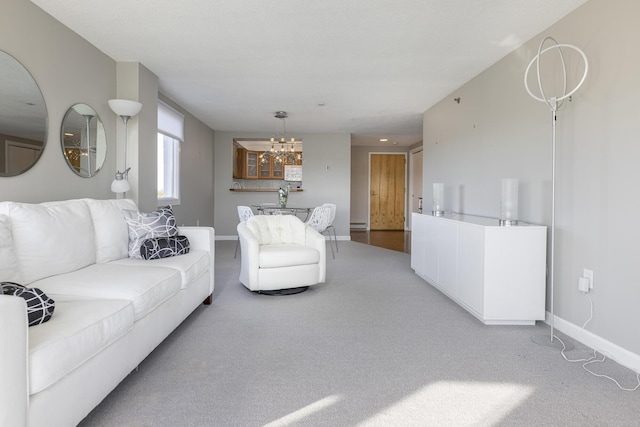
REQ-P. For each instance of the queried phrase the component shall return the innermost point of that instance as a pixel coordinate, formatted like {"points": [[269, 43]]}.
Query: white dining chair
{"points": [[244, 213], [319, 221], [333, 208]]}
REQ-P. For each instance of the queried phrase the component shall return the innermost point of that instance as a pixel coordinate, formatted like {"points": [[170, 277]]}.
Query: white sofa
{"points": [[280, 252], [111, 310]]}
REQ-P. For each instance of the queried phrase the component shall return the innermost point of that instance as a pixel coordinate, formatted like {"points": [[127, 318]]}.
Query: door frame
{"points": [[412, 184], [369, 186]]}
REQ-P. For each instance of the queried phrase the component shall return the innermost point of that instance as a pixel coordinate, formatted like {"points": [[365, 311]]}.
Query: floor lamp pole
{"points": [[553, 214], [554, 103]]}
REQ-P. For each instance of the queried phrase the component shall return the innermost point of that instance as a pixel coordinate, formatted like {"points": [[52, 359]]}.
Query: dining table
{"points": [[274, 209]]}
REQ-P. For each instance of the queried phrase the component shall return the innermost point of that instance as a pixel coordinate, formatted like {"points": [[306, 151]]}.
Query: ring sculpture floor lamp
{"points": [[554, 103], [125, 109]]}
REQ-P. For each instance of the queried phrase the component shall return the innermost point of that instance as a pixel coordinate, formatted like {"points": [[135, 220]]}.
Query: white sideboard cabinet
{"points": [[496, 273]]}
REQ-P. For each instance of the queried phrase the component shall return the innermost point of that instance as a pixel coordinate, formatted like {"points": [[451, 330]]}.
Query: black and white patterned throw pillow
{"points": [[143, 226], [164, 247]]}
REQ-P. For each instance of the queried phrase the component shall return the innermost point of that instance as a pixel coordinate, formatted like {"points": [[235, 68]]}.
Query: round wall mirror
{"points": [[23, 118], [83, 140]]}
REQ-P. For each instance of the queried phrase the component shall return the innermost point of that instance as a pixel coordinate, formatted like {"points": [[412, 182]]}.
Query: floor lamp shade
{"points": [[438, 198], [509, 202], [125, 107]]}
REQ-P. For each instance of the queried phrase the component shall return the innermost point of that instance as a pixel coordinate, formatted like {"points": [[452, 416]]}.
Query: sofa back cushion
{"points": [[52, 238], [277, 229], [8, 262], [112, 233]]}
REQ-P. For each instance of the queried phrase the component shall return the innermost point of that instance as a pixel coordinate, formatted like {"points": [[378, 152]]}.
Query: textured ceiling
{"points": [[367, 67]]}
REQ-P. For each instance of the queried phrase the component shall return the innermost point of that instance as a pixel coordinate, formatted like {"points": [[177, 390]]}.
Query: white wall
{"points": [[498, 131], [320, 185]]}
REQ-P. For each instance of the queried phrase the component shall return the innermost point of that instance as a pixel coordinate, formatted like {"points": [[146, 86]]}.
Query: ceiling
{"points": [[365, 67]]}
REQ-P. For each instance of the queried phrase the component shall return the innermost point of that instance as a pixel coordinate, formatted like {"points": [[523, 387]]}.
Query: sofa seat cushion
{"points": [[190, 265], [146, 287], [273, 256], [78, 330]]}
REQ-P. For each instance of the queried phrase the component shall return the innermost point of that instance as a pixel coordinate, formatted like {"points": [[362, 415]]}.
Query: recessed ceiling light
{"points": [[383, 140]]}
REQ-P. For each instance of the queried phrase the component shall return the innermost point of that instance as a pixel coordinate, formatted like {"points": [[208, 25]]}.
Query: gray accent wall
{"points": [[498, 131], [70, 70]]}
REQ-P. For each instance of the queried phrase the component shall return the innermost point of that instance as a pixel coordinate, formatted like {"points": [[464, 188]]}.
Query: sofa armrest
{"points": [[317, 241], [202, 239], [249, 254], [14, 378]]}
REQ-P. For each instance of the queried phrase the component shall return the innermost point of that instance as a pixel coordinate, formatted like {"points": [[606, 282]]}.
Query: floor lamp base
{"points": [[545, 341]]}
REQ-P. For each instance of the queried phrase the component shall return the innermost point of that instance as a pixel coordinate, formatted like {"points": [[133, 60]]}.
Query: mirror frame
{"points": [[85, 157], [24, 120]]}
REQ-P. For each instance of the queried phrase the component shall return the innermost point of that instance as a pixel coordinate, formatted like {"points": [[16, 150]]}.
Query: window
{"points": [[170, 135]]}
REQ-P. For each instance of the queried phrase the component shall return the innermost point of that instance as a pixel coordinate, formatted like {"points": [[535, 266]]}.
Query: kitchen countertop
{"points": [[262, 190]]}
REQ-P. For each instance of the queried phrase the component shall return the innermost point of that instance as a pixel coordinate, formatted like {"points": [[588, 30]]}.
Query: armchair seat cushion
{"points": [[274, 256]]}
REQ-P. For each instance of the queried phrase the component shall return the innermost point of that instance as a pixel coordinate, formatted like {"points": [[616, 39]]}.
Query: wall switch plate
{"points": [[588, 274]]}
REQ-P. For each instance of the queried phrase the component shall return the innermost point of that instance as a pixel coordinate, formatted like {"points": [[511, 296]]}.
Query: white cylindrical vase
{"points": [[509, 202], [438, 199]]}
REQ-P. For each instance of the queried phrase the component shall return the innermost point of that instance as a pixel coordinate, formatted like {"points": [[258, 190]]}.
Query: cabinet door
{"points": [[418, 243], [471, 267], [251, 168], [277, 170], [264, 168], [239, 159], [447, 256], [431, 249]]}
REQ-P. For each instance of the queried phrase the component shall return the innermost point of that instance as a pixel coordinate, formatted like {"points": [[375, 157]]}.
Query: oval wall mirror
{"points": [[23, 118], [83, 139]]}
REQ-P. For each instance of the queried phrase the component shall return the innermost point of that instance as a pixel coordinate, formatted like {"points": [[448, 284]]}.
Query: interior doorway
{"points": [[387, 195]]}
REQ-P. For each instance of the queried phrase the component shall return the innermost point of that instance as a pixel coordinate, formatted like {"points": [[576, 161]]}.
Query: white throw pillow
{"points": [[112, 233], [9, 271], [52, 238], [143, 226]]}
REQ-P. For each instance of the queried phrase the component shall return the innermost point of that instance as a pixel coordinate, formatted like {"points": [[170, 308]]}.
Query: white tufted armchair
{"points": [[280, 252]]}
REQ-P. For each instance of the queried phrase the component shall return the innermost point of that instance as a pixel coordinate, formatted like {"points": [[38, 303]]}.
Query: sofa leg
{"points": [[207, 300]]}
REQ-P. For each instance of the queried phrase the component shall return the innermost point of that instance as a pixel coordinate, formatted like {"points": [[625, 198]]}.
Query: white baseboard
{"points": [[236, 237], [612, 351]]}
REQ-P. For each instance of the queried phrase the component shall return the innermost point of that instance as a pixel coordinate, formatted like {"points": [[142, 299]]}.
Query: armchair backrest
{"points": [[277, 229]]}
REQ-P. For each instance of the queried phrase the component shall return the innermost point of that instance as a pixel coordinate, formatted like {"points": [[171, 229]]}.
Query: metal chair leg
{"points": [[330, 245], [335, 238]]}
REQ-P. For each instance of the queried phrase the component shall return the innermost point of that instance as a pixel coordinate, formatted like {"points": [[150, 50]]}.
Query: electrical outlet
{"points": [[588, 274]]}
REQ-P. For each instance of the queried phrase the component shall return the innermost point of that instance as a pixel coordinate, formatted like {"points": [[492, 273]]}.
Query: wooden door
{"points": [[387, 197]]}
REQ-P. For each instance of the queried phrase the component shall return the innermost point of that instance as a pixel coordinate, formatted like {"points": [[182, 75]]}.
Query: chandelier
{"points": [[282, 149]]}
